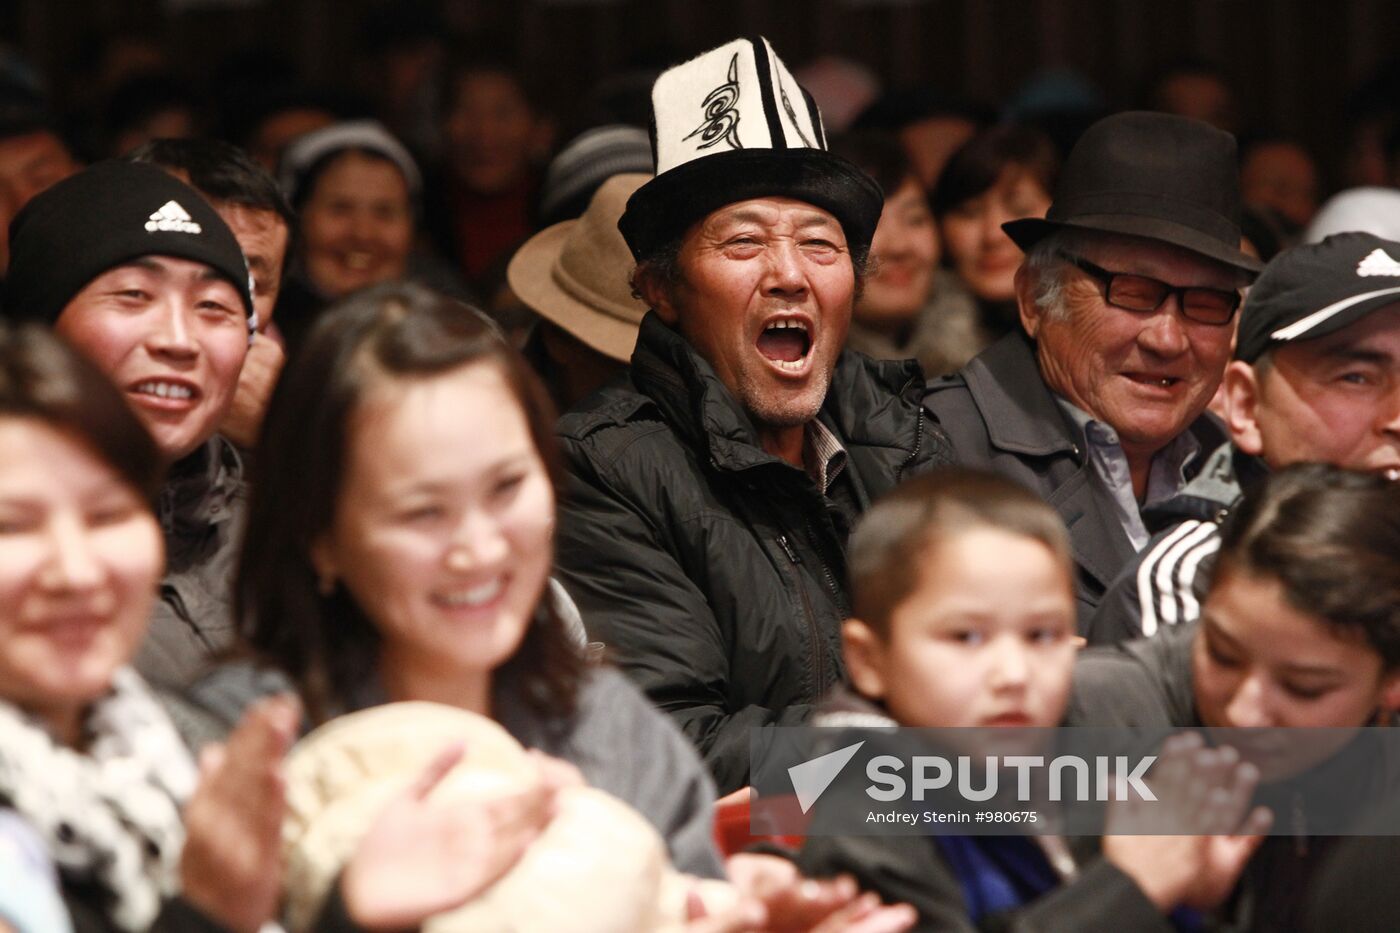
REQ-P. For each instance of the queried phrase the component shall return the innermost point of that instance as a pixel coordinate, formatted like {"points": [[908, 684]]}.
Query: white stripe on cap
{"points": [[1298, 328]]}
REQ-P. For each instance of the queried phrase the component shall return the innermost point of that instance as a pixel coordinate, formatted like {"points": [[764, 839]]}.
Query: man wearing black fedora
{"points": [[1127, 296], [711, 493]]}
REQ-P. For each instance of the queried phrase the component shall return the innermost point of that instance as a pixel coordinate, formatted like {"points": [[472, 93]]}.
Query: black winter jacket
{"points": [[714, 572]]}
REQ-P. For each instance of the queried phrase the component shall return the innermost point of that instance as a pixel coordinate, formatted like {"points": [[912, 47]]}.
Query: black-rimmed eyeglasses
{"points": [[1214, 306]]}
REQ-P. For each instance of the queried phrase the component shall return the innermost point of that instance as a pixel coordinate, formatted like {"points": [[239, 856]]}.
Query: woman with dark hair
{"points": [[1001, 174], [908, 307], [1299, 628], [400, 541], [96, 769]]}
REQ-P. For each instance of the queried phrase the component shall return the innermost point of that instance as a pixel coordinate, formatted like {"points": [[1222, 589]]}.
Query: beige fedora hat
{"points": [[576, 273]]}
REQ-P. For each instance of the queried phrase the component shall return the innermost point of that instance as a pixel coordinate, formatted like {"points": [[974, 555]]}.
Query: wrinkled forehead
{"points": [[774, 212]]}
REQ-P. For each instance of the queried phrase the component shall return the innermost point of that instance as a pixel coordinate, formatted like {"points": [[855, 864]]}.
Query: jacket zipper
{"points": [[836, 596], [813, 630]]}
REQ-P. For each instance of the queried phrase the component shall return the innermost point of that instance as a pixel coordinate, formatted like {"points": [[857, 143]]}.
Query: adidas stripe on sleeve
{"points": [[1167, 575]]}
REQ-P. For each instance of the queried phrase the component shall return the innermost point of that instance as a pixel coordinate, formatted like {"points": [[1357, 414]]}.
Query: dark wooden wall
{"points": [[1292, 61]]}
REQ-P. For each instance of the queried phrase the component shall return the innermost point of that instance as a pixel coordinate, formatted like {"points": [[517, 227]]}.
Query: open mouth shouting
{"points": [[786, 343]]}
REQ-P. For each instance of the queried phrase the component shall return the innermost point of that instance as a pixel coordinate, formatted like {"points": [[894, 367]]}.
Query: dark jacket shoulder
{"points": [[1147, 682]]}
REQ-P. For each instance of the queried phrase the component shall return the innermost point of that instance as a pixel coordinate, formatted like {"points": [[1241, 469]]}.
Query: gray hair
{"points": [[1045, 264]]}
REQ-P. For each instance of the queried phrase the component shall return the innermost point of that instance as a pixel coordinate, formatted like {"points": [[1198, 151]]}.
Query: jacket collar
{"points": [[1020, 412], [700, 408], [199, 491], [692, 398]]}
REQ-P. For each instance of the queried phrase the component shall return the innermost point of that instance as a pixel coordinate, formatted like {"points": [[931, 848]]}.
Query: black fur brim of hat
{"points": [[665, 207]]}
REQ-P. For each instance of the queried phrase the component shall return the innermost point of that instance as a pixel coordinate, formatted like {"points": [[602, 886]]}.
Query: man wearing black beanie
{"points": [[138, 272]]}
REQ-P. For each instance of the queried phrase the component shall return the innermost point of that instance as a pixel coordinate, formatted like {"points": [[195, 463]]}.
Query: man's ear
{"points": [[1241, 387], [1026, 307], [865, 658], [656, 296]]}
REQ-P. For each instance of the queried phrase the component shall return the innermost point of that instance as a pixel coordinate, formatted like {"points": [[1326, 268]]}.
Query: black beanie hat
{"points": [[106, 215]]}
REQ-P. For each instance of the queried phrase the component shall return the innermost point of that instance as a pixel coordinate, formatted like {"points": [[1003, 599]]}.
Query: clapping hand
{"points": [[231, 866], [776, 898], [1204, 794], [421, 858]]}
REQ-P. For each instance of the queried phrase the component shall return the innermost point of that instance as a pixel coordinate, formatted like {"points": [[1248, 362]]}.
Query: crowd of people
{"points": [[721, 421]]}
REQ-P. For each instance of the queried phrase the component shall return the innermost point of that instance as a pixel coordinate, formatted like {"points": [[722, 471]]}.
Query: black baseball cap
{"points": [[1317, 289]]}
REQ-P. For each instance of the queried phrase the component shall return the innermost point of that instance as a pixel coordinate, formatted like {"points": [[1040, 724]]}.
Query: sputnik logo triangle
{"points": [[811, 778], [172, 218]]}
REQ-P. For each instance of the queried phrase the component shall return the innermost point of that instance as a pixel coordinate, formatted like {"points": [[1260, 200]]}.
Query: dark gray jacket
{"points": [[1001, 416], [714, 572], [201, 511]]}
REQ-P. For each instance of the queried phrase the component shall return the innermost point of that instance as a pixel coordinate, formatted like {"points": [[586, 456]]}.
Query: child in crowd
{"points": [[965, 617]]}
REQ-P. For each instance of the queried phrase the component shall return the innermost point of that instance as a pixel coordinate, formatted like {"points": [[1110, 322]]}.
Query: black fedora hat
{"points": [[1153, 175]]}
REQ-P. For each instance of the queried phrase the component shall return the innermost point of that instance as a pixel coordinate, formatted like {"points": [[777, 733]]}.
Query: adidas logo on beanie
{"points": [[172, 217], [106, 215]]}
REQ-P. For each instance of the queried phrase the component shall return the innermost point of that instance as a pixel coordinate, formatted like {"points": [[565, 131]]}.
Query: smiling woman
{"points": [[356, 221], [90, 759], [415, 558]]}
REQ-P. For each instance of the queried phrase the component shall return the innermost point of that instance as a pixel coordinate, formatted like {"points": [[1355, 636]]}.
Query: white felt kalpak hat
{"points": [[734, 124]]}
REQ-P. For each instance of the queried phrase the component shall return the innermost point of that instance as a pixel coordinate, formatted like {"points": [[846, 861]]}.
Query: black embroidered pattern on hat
{"points": [[721, 118], [754, 139]]}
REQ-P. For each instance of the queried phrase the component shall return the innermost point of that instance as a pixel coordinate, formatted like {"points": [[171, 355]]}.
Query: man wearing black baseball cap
{"points": [[1126, 296], [138, 272], [1315, 379]]}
